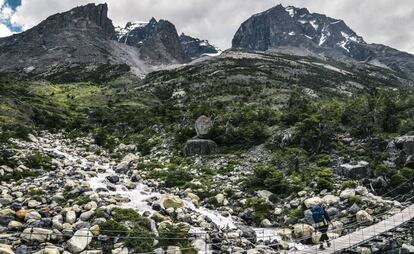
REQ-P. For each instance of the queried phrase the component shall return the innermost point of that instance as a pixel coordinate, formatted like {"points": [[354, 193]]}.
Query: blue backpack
{"points": [[318, 214]]}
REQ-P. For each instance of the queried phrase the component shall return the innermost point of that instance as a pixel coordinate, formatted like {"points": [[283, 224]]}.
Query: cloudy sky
{"points": [[381, 21]]}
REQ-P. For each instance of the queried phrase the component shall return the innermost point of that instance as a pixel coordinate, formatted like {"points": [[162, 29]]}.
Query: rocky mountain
{"points": [[157, 41], [196, 48], [297, 30], [83, 41], [79, 40]]}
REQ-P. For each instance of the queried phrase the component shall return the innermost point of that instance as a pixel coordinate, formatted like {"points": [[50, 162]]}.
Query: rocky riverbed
{"points": [[61, 206]]}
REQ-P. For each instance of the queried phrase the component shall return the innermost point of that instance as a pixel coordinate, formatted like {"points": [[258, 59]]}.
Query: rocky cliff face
{"points": [[158, 41], [286, 27], [82, 44], [77, 40], [196, 48]]}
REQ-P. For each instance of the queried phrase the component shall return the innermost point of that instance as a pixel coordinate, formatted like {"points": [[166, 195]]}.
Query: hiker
{"points": [[322, 221]]}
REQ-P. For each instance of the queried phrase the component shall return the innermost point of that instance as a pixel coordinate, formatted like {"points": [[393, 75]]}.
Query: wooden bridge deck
{"points": [[363, 235]]}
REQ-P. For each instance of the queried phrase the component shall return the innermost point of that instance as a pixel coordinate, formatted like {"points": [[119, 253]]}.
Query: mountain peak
{"points": [[85, 16], [291, 26], [153, 21]]}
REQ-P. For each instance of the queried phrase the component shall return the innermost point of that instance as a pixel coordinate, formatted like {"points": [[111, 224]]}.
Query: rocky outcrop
{"points": [[296, 30], [201, 145], [196, 48], [401, 151]]}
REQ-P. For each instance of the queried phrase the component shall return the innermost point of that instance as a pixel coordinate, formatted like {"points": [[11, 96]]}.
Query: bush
{"points": [[103, 138], [323, 160], [140, 239], [407, 173], [122, 215], [113, 228], [270, 178], [39, 161], [325, 184], [261, 208], [382, 170], [176, 231], [178, 178], [349, 185], [325, 180], [295, 215], [355, 199], [397, 179]]}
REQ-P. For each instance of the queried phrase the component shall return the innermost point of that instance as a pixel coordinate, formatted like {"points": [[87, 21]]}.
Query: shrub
{"points": [[122, 215], [178, 178], [397, 180], [178, 230], [140, 239], [260, 207], [407, 173], [355, 199], [325, 179], [113, 228], [103, 138], [323, 160], [270, 178], [382, 170], [294, 215], [39, 161], [325, 184], [349, 185]]}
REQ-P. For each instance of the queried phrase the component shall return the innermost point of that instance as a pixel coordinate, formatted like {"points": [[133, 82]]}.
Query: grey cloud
{"points": [[381, 21]]}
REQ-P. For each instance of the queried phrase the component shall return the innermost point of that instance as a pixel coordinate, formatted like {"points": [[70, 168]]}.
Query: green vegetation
{"points": [[128, 223], [178, 231], [252, 101], [261, 209], [349, 185], [39, 161], [355, 199]]}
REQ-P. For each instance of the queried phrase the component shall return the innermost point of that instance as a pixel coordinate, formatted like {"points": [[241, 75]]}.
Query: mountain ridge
{"points": [[296, 27], [82, 44]]}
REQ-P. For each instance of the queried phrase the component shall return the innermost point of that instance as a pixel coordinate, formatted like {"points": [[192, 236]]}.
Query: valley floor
{"points": [[85, 200]]}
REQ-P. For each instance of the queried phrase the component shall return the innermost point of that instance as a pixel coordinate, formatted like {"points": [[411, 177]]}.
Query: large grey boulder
{"points": [[401, 151], [356, 171], [203, 127], [37, 234], [80, 240], [200, 147]]}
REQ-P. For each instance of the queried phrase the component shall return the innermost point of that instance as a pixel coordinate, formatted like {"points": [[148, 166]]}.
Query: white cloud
{"points": [[380, 21], [4, 31]]}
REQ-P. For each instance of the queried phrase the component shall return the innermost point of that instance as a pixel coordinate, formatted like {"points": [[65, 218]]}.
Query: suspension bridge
{"points": [[364, 235]]}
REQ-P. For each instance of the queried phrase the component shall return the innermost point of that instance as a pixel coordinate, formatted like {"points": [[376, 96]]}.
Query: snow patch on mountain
{"points": [[291, 10], [124, 31]]}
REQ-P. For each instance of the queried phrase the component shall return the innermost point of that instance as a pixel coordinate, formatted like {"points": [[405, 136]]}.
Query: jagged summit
{"points": [[196, 48], [81, 17], [83, 44], [157, 41], [290, 27], [77, 40]]}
